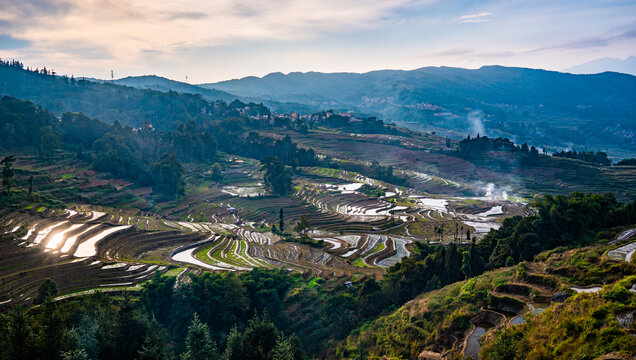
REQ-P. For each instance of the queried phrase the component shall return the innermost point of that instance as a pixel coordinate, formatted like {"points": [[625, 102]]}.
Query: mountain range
{"points": [[546, 108], [627, 66]]}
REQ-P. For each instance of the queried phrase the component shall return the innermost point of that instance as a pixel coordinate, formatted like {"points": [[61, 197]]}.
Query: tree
{"points": [[30, 182], [466, 264], [233, 346], [7, 172], [51, 331], [287, 348], [131, 331], [167, 175], [257, 342], [216, 173], [259, 338], [75, 355], [302, 224], [19, 335], [154, 346], [199, 343], [87, 336], [281, 220], [46, 292], [49, 141], [277, 176]]}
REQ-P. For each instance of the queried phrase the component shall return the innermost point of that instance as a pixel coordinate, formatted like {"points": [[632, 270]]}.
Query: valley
{"points": [[347, 237]]}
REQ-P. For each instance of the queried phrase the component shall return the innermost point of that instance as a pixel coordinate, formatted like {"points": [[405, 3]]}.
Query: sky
{"points": [[214, 40]]}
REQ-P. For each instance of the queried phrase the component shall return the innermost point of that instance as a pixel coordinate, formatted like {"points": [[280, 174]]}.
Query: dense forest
{"points": [[598, 158], [480, 144], [108, 102], [145, 155]]}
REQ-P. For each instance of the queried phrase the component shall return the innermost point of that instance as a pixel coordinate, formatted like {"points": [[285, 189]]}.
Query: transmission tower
{"points": [[112, 75]]}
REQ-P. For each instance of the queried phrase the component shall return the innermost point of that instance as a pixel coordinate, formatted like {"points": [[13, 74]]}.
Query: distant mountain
{"points": [[547, 108], [158, 83], [627, 66]]}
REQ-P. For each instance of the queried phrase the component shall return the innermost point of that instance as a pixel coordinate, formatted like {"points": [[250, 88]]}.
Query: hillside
{"points": [[106, 101], [554, 307], [546, 108]]}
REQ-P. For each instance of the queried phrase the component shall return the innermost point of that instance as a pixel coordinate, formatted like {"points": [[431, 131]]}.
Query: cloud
{"points": [[591, 42], [475, 18], [185, 15], [119, 29], [8, 42], [450, 52], [19, 14], [468, 53]]}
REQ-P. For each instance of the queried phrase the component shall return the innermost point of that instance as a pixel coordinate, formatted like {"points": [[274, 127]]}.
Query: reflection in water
{"points": [[473, 347]]}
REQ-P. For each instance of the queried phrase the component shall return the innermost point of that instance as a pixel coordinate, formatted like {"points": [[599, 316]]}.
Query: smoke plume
{"points": [[475, 119]]}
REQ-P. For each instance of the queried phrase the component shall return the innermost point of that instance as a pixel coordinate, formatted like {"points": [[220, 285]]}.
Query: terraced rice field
{"points": [[216, 229], [76, 250]]}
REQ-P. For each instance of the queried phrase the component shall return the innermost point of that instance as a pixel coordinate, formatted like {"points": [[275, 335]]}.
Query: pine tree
{"points": [[259, 338], [30, 182], [87, 336], [20, 336], [51, 331], [281, 220], [466, 264], [234, 345], [46, 292], [199, 343], [154, 346], [7, 172]]}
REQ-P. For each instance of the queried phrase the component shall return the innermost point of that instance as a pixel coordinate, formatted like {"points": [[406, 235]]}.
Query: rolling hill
{"points": [[158, 83], [546, 108], [110, 102]]}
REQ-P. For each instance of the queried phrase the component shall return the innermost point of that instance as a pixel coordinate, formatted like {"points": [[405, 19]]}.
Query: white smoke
{"points": [[492, 192], [476, 121]]}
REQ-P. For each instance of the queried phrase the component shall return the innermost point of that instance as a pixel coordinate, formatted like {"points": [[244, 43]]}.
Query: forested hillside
{"points": [[106, 101], [545, 108]]}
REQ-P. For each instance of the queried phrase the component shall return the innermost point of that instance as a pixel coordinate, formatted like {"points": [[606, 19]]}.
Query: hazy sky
{"points": [[212, 40]]}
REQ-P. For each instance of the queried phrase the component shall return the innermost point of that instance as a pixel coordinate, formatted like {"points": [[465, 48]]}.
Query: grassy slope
{"points": [[583, 327], [436, 320]]}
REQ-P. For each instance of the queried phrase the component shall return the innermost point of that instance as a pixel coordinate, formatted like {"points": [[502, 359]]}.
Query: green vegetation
{"points": [[7, 173], [371, 190], [598, 158], [168, 173], [304, 239], [277, 177], [627, 162], [583, 327]]}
